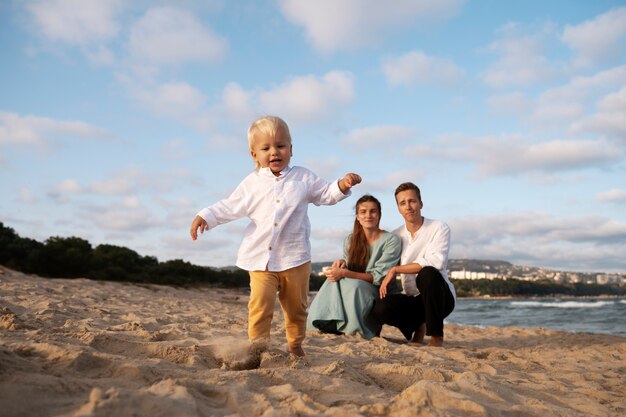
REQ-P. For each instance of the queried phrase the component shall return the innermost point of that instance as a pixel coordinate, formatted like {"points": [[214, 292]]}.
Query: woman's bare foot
{"points": [[418, 337], [297, 351], [436, 341]]}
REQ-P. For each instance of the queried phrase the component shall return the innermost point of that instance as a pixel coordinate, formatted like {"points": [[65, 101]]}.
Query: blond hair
{"points": [[266, 125]]}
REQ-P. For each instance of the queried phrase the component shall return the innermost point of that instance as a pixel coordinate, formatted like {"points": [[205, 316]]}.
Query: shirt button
{"points": [[270, 248], [278, 201], [275, 224]]}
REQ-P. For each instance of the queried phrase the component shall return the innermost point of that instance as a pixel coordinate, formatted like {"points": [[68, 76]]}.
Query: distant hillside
{"points": [[479, 265]]}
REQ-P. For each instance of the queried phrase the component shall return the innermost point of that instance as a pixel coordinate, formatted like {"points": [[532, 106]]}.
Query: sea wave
{"points": [[563, 304]]}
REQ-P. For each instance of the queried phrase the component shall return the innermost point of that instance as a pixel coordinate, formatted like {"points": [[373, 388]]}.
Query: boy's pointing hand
{"points": [[349, 181]]}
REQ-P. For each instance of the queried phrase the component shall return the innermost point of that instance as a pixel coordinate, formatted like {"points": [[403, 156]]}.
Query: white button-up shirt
{"points": [[277, 237], [428, 247]]}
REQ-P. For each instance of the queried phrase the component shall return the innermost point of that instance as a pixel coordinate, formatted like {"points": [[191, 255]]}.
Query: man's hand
{"points": [[198, 223], [391, 275]]}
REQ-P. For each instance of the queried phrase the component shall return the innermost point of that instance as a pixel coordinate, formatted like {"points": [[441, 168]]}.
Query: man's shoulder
{"points": [[399, 231], [435, 224]]}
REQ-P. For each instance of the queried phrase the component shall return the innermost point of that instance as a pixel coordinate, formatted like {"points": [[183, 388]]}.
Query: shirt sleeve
{"points": [[321, 192], [231, 208], [346, 246], [436, 253], [389, 257]]}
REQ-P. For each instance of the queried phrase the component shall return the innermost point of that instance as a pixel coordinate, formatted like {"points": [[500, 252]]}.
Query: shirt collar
{"points": [[267, 172], [407, 233]]}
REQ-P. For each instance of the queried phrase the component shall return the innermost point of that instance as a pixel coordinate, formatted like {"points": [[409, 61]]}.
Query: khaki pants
{"points": [[293, 287]]}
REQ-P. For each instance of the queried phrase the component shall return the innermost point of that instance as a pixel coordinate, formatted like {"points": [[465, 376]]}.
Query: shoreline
{"points": [[545, 297]]}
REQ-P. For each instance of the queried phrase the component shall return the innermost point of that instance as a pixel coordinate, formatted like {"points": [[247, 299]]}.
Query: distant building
{"points": [[609, 279], [463, 274], [574, 278]]}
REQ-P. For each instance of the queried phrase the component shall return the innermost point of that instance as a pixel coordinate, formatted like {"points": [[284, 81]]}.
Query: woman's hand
{"points": [[340, 263], [334, 273], [391, 275]]}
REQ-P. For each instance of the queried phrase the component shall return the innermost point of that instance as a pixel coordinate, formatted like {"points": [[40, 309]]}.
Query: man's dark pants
{"points": [[434, 303]]}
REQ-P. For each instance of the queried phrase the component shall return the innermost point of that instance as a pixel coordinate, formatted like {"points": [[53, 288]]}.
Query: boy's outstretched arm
{"points": [[349, 181], [200, 223]]}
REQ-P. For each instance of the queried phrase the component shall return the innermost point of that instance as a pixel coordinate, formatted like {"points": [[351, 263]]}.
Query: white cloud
{"points": [[61, 191], [416, 67], [237, 102], [567, 105], [555, 155], [101, 56], [177, 100], [119, 218], [598, 40], [29, 130], [511, 155], [376, 136], [131, 181], [610, 119], [513, 103], [175, 149], [542, 239], [69, 185], [76, 22], [389, 182], [615, 195], [328, 167], [300, 99], [309, 98], [230, 142], [335, 25], [131, 202], [520, 61], [123, 183], [26, 196], [166, 36]]}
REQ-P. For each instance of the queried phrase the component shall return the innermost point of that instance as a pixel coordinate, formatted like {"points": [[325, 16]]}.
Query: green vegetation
{"points": [[516, 287], [73, 257]]}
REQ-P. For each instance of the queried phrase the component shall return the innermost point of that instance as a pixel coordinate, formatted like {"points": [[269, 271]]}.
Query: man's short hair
{"points": [[405, 186]]}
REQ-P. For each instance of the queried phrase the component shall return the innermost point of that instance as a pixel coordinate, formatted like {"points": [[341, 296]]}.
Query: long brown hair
{"points": [[359, 249]]}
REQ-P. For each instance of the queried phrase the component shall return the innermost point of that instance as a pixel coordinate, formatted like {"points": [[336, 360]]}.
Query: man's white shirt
{"points": [[428, 247]]}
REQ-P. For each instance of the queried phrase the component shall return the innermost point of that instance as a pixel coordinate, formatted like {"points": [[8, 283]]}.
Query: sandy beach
{"points": [[93, 348]]}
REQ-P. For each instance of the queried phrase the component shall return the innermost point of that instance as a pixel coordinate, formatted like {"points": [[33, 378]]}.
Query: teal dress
{"points": [[345, 306]]}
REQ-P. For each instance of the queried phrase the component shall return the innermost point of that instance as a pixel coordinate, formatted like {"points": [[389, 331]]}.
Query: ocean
{"points": [[606, 316]]}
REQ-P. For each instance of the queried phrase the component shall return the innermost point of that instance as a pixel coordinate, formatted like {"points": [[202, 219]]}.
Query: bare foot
{"points": [[436, 341], [418, 337], [296, 350]]}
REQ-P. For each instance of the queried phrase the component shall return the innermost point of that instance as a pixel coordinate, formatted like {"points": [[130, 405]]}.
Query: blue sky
{"points": [[119, 119]]}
